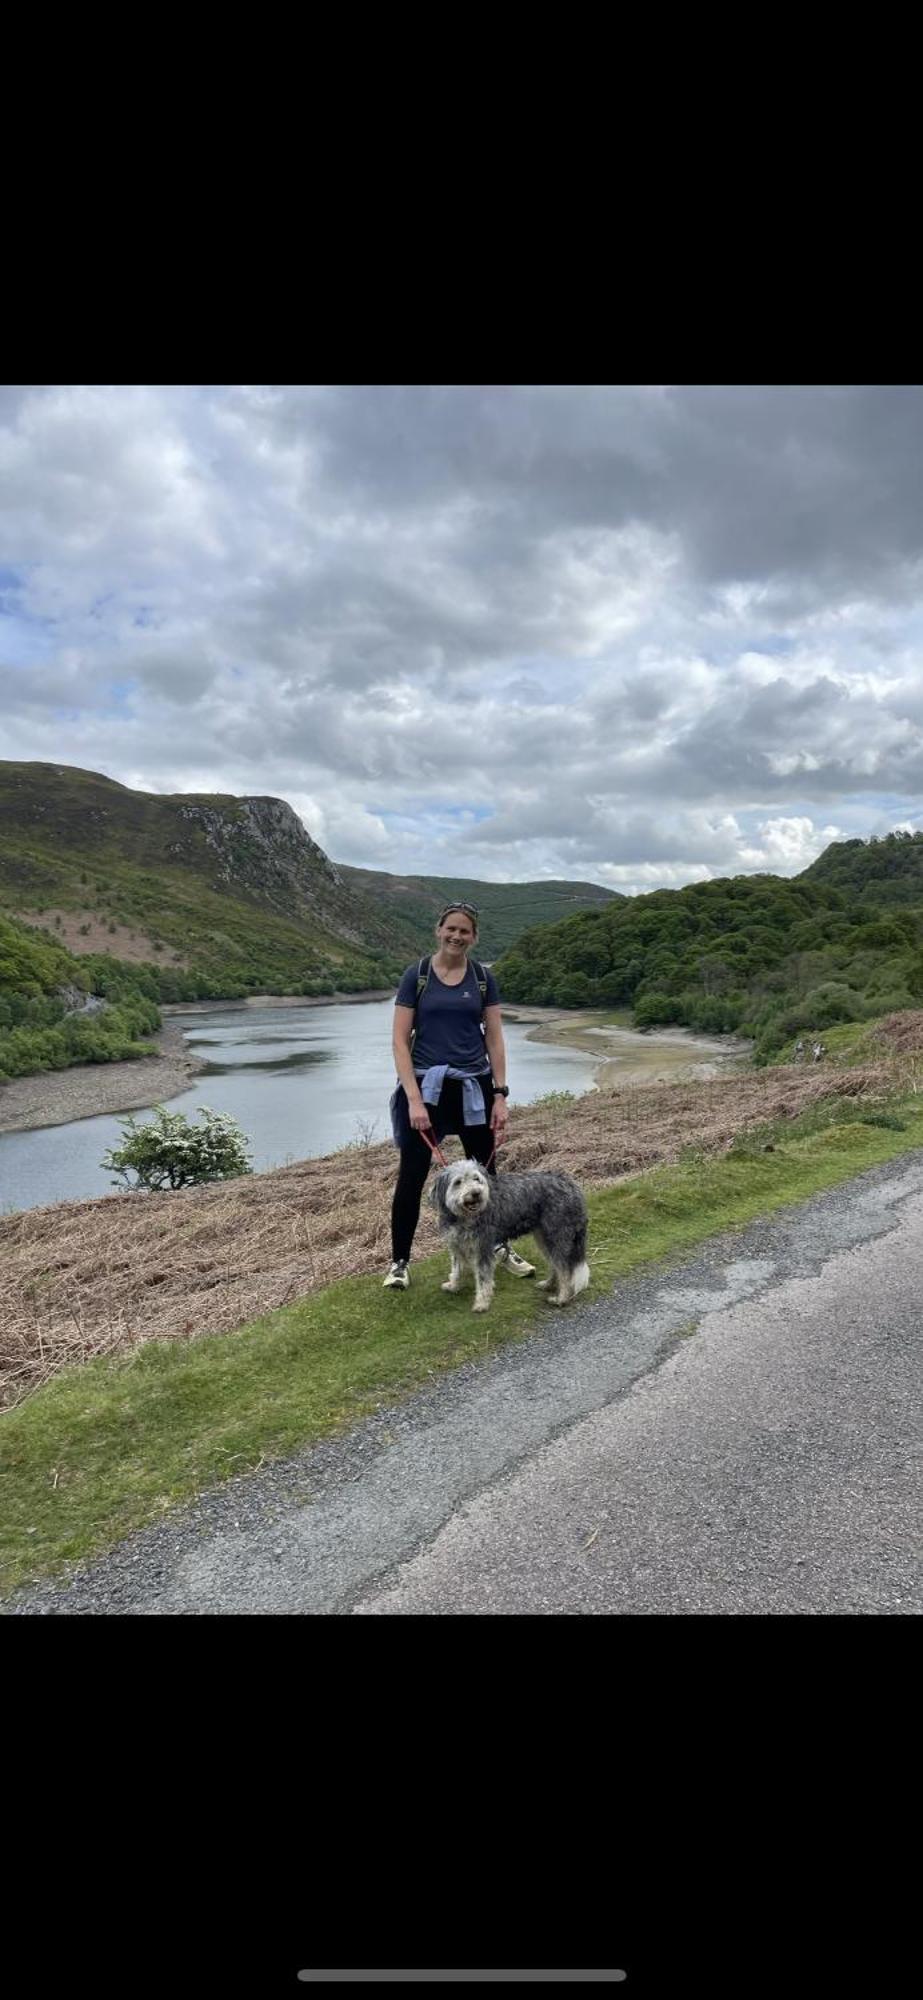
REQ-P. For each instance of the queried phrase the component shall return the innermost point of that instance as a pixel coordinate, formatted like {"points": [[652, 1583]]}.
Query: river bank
{"points": [[628, 1056], [274, 1000], [91, 1090], [58, 1097]]}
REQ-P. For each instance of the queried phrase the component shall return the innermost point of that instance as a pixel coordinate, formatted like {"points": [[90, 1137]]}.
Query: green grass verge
{"points": [[108, 1447]]}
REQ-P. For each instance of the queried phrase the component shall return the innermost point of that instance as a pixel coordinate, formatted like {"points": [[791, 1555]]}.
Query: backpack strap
{"points": [[423, 972]]}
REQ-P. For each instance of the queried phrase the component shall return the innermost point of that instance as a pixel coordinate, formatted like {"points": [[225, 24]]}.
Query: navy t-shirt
{"points": [[448, 1023]]}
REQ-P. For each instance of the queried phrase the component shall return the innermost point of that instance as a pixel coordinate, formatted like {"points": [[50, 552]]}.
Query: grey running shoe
{"points": [[399, 1275], [510, 1260]]}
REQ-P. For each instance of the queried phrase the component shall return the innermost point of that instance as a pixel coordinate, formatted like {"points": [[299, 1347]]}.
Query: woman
{"points": [[451, 1065]]}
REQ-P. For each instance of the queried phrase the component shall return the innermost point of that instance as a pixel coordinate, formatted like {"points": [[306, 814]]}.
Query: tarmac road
{"points": [[736, 1434]]}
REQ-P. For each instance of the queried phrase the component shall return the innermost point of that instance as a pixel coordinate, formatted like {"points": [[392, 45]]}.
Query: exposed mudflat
{"points": [[658, 1055]]}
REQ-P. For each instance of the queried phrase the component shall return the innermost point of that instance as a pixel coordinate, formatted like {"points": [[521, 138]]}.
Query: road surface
{"points": [[739, 1433]]}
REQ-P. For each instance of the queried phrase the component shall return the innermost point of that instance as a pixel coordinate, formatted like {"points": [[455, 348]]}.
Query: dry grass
{"points": [[85, 1278], [83, 931]]}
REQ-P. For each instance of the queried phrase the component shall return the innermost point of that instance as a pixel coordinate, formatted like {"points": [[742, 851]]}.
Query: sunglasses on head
{"points": [[468, 908]]}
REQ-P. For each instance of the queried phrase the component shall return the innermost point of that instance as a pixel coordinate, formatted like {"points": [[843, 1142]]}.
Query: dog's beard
{"points": [[467, 1211]]}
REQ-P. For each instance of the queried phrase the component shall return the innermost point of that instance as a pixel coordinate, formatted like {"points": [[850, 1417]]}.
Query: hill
{"points": [[766, 956], [201, 896], [220, 896], [506, 908], [881, 872]]}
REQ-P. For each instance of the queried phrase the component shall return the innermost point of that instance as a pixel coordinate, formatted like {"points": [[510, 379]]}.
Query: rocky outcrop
{"points": [[76, 1001], [263, 850]]}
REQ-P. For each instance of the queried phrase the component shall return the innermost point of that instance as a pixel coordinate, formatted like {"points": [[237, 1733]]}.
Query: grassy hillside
{"points": [[221, 896], [767, 956], [506, 908], [224, 896]]}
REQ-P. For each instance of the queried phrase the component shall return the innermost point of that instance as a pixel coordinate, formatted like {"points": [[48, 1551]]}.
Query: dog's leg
{"points": [[559, 1291], [569, 1283], [453, 1281], [483, 1284]]}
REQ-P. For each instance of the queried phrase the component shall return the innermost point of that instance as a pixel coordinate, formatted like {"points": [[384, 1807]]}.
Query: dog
{"points": [[478, 1210]]}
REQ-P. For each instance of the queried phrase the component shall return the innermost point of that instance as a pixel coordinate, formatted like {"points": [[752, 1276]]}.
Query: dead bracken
{"points": [[79, 1279]]}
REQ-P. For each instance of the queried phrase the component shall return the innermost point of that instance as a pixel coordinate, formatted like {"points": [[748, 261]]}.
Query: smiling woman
{"points": [[451, 1066]]}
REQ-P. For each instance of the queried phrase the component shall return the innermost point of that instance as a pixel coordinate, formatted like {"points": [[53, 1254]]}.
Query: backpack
{"points": [[423, 972]]}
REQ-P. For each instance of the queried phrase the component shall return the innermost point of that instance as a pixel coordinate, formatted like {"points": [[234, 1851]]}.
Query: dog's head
{"points": [[461, 1191]]}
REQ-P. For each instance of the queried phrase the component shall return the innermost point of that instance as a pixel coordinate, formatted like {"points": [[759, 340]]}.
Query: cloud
{"points": [[637, 635]]}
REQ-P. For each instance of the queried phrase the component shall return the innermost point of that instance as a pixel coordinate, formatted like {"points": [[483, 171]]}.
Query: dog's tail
{"points": [[581, 1269]]}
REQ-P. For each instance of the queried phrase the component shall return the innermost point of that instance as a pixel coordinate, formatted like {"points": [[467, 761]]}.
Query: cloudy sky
{"points": [[637, 636]]}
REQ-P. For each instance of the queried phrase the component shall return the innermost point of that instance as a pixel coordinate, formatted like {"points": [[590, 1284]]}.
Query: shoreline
{"points": [[98, 1090], [275, 1000], [94, 1090], [635, 1057]]}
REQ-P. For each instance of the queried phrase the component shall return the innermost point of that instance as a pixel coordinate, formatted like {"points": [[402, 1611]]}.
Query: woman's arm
{"points": [[496, 1047], [403, 1062]]}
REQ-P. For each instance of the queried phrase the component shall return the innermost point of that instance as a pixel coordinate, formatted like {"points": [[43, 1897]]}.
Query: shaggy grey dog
{"points": [[478, 1210]]}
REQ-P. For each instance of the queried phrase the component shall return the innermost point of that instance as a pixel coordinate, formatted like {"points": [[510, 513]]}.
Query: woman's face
{"points": [[456, 933]]}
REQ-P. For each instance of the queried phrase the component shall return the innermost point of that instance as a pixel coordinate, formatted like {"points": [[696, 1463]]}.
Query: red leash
{"points": [[439, 1155], [435, 1149]]}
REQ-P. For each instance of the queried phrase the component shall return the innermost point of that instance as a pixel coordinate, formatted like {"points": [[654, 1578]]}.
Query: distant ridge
{"points": [[506, 908]]}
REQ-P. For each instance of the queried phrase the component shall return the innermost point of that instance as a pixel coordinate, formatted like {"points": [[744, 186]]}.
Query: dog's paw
{"points": [[543, 1284], [481, 1306], [450, 1286]]}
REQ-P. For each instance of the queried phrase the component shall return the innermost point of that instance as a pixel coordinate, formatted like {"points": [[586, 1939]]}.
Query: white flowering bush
{"points": [[170, 1152]]}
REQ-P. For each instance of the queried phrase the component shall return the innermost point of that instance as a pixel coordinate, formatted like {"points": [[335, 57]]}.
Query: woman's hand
{"points": [[419, 1115], [498, 1117]]}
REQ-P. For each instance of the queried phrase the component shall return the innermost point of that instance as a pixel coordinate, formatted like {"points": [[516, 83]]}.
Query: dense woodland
{"points": [[43, 989], [765, 956]]}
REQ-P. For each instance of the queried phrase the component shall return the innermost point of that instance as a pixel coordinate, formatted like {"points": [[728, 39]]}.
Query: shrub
{"points": [[653, 1008], [170, 1152]]}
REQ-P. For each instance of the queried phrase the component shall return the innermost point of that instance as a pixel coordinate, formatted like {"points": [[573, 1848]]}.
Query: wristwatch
{"points": [[501, 1090]]}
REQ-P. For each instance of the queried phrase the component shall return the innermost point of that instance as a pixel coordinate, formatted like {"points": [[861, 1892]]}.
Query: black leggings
{"points": [[416, 1158]]}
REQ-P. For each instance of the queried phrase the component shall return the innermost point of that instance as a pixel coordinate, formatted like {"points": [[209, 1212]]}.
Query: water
{"points": [[301, 1081]]}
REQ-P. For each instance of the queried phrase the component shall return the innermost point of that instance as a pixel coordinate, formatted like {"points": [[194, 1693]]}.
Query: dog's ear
{"points": [[434, 1193]]}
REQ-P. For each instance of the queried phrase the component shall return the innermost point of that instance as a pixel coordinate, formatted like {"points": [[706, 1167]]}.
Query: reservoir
{"points": [[301, 1081]]}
